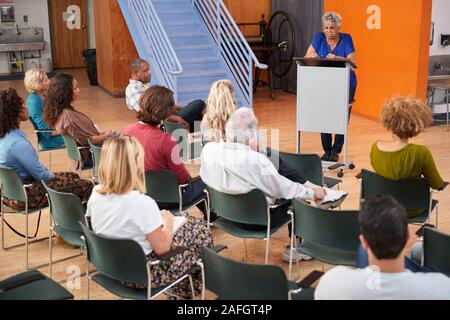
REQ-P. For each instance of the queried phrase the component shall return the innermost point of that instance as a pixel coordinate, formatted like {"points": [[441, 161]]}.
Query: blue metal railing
{"points": [[155, 42], [230, 44]]}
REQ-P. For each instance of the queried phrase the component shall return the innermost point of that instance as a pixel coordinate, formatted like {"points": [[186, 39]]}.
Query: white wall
{"points": [[37, 12], [441, 18]]}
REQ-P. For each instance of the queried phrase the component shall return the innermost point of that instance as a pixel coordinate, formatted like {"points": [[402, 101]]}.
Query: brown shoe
{"points": [[59, 241], [326, 156], [334, 157]]}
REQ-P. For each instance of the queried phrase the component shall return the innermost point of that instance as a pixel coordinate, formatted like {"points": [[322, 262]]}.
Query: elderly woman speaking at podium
{"points": [[331, 44]]}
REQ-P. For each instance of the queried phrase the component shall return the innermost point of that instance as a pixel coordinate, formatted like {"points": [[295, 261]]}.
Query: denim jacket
{"points": [[17, 153]]}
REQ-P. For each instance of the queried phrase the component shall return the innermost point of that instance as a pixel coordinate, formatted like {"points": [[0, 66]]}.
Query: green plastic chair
{"points": [[310, 166], [96, 152], [162, 186], [119, 260], [412, 194], [12, 187], [328, 236], [189, 151], [41, 149], [235, 210], [235, 280], [74, 152], [66, 210], [32, 285], [436, 247]]}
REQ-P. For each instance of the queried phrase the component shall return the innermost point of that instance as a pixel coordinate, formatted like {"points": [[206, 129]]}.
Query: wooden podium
{"points": [[323, 87]]}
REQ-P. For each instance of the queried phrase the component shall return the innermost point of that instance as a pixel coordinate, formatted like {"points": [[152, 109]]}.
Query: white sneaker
{"points": [[297, 256], [333, 198]]}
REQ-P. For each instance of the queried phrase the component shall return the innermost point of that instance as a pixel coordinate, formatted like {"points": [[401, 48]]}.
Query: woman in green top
{"points": [[398, 159], [37, 83]]}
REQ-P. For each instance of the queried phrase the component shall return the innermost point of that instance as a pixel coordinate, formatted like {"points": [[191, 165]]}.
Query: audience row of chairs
{"points": [[124, 260], [328, 237]]}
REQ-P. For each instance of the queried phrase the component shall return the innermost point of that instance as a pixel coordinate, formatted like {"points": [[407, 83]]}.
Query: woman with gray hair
{"points": [[332, 44]]}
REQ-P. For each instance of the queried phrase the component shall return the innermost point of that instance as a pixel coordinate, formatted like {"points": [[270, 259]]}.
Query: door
{"points": [[69, 32]]}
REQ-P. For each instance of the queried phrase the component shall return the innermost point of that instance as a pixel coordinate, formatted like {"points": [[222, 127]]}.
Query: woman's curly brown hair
{"points": [[11, 105], [58, 97], [156, 105], [406, 117]]}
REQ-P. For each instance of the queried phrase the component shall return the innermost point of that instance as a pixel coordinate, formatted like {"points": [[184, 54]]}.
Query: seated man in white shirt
{"points": [[140, 81], [234, 167], [384, 234]]}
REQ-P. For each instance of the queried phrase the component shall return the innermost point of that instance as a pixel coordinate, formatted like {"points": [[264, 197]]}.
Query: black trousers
{"points": [[192, 112], [284, 168], [278, 217], [192, 193]]}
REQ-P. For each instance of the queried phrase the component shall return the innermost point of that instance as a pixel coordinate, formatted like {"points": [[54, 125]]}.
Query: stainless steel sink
{"points": [[26, 39]]}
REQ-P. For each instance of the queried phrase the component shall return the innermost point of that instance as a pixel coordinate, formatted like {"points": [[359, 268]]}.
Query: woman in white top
{"points": [[120, 209]]}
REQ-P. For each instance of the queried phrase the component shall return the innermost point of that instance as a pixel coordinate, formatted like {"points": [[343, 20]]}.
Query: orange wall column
{"points": [[393, 55]]}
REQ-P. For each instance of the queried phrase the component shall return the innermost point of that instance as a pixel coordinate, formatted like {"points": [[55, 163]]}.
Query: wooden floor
{"points": [[110, 113]]}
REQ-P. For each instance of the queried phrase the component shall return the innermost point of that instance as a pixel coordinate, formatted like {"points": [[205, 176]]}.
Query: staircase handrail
{"points": [[230, 43], [157, 41]]}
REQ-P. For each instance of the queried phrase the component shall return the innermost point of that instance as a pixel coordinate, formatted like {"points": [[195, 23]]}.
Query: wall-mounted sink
{"points": [[17, 39]]}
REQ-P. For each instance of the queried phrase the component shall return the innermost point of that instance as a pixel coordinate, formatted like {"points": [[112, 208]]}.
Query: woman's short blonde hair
{"points": [[332, 17], [33, 80], [406, 117], [121, 167], [219, 108]]}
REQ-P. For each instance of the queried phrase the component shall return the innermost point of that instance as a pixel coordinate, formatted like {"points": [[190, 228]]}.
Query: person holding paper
{"points": [[120, 209], [332, 44]]}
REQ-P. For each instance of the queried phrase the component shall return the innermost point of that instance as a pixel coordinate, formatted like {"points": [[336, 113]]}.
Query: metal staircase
{"points": [[190, 44]]}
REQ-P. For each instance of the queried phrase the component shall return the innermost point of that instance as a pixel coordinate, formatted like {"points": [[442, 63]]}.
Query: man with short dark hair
{"points": [[384, 234], [140, 81]]}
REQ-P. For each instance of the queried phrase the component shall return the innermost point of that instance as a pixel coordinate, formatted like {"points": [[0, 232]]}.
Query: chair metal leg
{"points": [[3, 223], [245, 248], [202, 270], [27, 243], [50, 229], [23, 244], [26, 240], [191, 282], [297, 265], [437, 220], [88, 278], [2, 211], [291, 254], [266, 260]]}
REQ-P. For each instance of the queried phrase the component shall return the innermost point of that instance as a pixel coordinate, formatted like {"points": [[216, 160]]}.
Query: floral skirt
{"points": [[64, 181], [194, 235]]}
